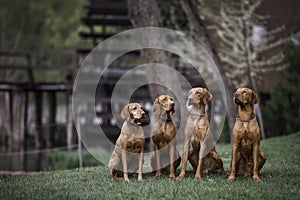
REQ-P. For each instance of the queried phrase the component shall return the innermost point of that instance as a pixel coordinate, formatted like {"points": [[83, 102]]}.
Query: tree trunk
{"points": [[145, 13], [251, 80], [204, 39]]}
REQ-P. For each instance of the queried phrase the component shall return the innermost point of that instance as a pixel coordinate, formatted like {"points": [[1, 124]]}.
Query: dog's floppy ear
{"points": [[255, 98], [234, 103], [189, 101], [173, 110], [156, 106], [207, 97], [125, 113]]}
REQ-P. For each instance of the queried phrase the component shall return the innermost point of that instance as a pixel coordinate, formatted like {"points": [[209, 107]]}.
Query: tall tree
{"points": [[194, 19], [245, 53], [146, 13]]}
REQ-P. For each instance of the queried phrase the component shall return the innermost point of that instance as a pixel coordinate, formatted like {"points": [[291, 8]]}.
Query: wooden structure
{"points": [[103, 18], [23, 85]]}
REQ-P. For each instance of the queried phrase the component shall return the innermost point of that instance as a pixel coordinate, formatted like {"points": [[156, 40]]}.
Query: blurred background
{"points": [[42, 44]]}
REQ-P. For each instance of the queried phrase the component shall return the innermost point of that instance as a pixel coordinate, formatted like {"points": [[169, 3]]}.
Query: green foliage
{"points": [[172, 15], [33, 24], [96, 183], [282, 111]]}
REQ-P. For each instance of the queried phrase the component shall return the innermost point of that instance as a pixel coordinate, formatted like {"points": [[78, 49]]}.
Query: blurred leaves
{"points": [[34, 24], [282, 111]]}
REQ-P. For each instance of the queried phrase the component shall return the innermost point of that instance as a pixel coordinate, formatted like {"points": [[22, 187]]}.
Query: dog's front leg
{"points": [[200, 162], [218, 161], [141, 165], [124, 162], [158, 167], [255, 162], [172, 156], [233, 161], [184, 157]]}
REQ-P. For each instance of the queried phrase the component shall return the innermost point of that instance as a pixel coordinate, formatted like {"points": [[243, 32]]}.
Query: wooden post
{"points": [[5, 116], [25, 128], [50, 140], [18, 130], [69, 120], [18, 121], [38, 119], [11, 119], [79, 144]]}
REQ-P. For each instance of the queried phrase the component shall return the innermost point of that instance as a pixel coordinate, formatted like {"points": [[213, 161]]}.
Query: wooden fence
{"points": [[23, 85]]}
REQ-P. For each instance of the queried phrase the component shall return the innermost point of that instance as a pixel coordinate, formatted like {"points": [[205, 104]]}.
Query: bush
{"points": [[282, 112]]}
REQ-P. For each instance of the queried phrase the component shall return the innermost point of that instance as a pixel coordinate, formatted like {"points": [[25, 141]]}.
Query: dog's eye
{"points": [[134, 108]]}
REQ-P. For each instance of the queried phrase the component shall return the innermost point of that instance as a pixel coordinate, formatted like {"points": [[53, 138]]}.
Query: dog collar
{"points": [[248, 120], [164, 119], [133, 124], [199, 115]]}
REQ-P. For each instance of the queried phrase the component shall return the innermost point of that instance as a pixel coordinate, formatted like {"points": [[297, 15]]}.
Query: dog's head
{"points": [[133, 112], [199, 95], [244, 96], [165, 102]]}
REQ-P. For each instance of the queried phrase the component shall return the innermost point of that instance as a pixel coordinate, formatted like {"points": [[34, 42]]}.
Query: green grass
{"points": [[283, 164]]}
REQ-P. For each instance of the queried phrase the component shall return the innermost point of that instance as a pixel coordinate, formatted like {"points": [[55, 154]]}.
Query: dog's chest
{"points": [[135, 145], [167, 131], [200, 128]]}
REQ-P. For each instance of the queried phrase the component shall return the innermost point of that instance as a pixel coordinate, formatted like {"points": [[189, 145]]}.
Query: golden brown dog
{"points": [[163, 137], [203, 156], [246, 157], [129, 149]]}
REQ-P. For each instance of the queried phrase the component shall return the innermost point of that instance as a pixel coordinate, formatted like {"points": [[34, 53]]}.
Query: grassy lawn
{"points": [[283, 164]]}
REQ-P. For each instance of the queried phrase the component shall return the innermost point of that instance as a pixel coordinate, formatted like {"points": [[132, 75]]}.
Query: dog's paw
{"points": [[157, 175], [180, 177], [197, 177], [140, 178], [231, 178], [172, 177], [256, 178]]}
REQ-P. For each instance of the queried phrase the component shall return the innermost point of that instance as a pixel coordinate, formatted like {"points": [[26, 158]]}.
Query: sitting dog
{"points": [[163, 136], [203, 155], [246, 157], [129, 148]]}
